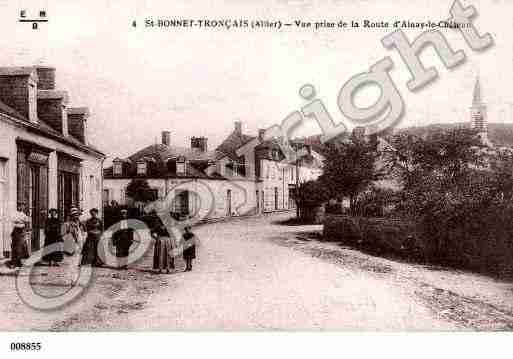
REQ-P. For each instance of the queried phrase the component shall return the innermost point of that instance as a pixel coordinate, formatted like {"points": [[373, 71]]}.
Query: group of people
{"points": [[166, 248], [74, 236]]}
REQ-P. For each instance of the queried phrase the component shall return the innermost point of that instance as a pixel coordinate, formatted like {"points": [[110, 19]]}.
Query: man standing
{"points": [[122, 240]]}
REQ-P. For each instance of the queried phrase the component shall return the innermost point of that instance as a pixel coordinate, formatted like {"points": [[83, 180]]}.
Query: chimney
{"points": [[200, 143], [166, 138], [51, 108], [238, 127], [18, 90], [359, 133], [77, 123], [46, 77], [261, 134]]}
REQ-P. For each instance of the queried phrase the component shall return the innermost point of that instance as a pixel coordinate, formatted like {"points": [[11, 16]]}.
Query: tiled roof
{"points": [[157, 157], [78, 110], [17, 70], [163, 152], [10, 111], [52, 94], [233, 142], [45, 129]]}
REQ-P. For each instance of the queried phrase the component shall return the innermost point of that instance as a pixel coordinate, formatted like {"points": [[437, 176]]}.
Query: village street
{"points": [[259, 274]]}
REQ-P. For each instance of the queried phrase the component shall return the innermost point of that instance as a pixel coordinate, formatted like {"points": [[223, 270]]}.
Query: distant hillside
{"points": [[500, 134]]}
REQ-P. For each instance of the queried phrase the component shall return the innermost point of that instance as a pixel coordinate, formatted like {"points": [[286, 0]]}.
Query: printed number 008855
{"points": [[25, 346]]}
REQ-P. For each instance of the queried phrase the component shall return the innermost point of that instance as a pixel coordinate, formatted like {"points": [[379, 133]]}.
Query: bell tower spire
{"points": [[478, 119]]}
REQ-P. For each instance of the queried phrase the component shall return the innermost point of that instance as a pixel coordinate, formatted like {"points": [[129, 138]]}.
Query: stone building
{"points": [[244, 175], [46, 160]]}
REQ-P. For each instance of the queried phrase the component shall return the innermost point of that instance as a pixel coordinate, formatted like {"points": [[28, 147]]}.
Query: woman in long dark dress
{"points": [[53, 236], [19, 249], [162, 254], [94, 228], [189, 245]]}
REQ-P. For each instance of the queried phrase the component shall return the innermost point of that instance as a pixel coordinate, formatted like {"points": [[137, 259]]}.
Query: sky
{"points": [[196, 82]]}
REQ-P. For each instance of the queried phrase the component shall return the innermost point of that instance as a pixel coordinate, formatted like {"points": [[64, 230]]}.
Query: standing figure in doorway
{"points": [[189, 247], [94, 228], [53, 238], [122, 240]]}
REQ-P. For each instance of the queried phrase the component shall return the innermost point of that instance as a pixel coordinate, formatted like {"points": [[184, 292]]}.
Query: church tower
{"points": [[478, 119]]}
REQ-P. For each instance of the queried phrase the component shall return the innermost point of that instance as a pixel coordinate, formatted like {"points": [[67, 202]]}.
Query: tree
{"points": [[445, 183], [446, 154], [349, 169], [139, 190], [308, 196]]}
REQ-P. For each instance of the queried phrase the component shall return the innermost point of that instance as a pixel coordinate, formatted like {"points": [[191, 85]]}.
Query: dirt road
{"points": [[255, 274]]}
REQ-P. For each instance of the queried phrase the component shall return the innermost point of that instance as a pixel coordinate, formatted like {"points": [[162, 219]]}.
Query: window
{"points": [[106, 196], [3, 170], [118, 168], [180, 166], [171, 166], [141, 168]]}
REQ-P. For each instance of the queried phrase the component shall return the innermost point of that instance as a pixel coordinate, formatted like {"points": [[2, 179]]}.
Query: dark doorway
{"points": [[32, 188], [229, 202], [68, 192], [68, 184], [182, 203]]}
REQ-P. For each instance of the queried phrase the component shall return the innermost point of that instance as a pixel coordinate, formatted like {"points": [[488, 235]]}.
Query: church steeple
{"points": [[476, 100], [478, 113]]}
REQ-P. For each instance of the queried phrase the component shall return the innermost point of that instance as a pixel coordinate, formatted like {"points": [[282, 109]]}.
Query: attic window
{"points": [[180, 166], [118, 168], [141, 168]]}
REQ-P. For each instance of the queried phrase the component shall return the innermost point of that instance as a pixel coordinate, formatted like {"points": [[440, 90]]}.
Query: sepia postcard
{"points": [[273, 165]]}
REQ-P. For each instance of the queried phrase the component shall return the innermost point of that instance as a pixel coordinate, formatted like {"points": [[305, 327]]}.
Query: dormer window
{"points": [[276, 155], [181, 166], [117, 168], [142, 167]]}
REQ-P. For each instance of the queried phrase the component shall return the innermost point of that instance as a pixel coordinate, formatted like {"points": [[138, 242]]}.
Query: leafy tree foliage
{"points": [[139, 190], [308, 196], [349, 169]]}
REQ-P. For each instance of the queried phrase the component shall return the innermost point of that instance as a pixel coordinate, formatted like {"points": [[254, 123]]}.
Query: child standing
{"points": [[189, 245]]}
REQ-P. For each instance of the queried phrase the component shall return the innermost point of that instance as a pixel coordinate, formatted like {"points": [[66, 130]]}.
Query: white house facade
{"points": [[46, 160], [244, 175]]}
